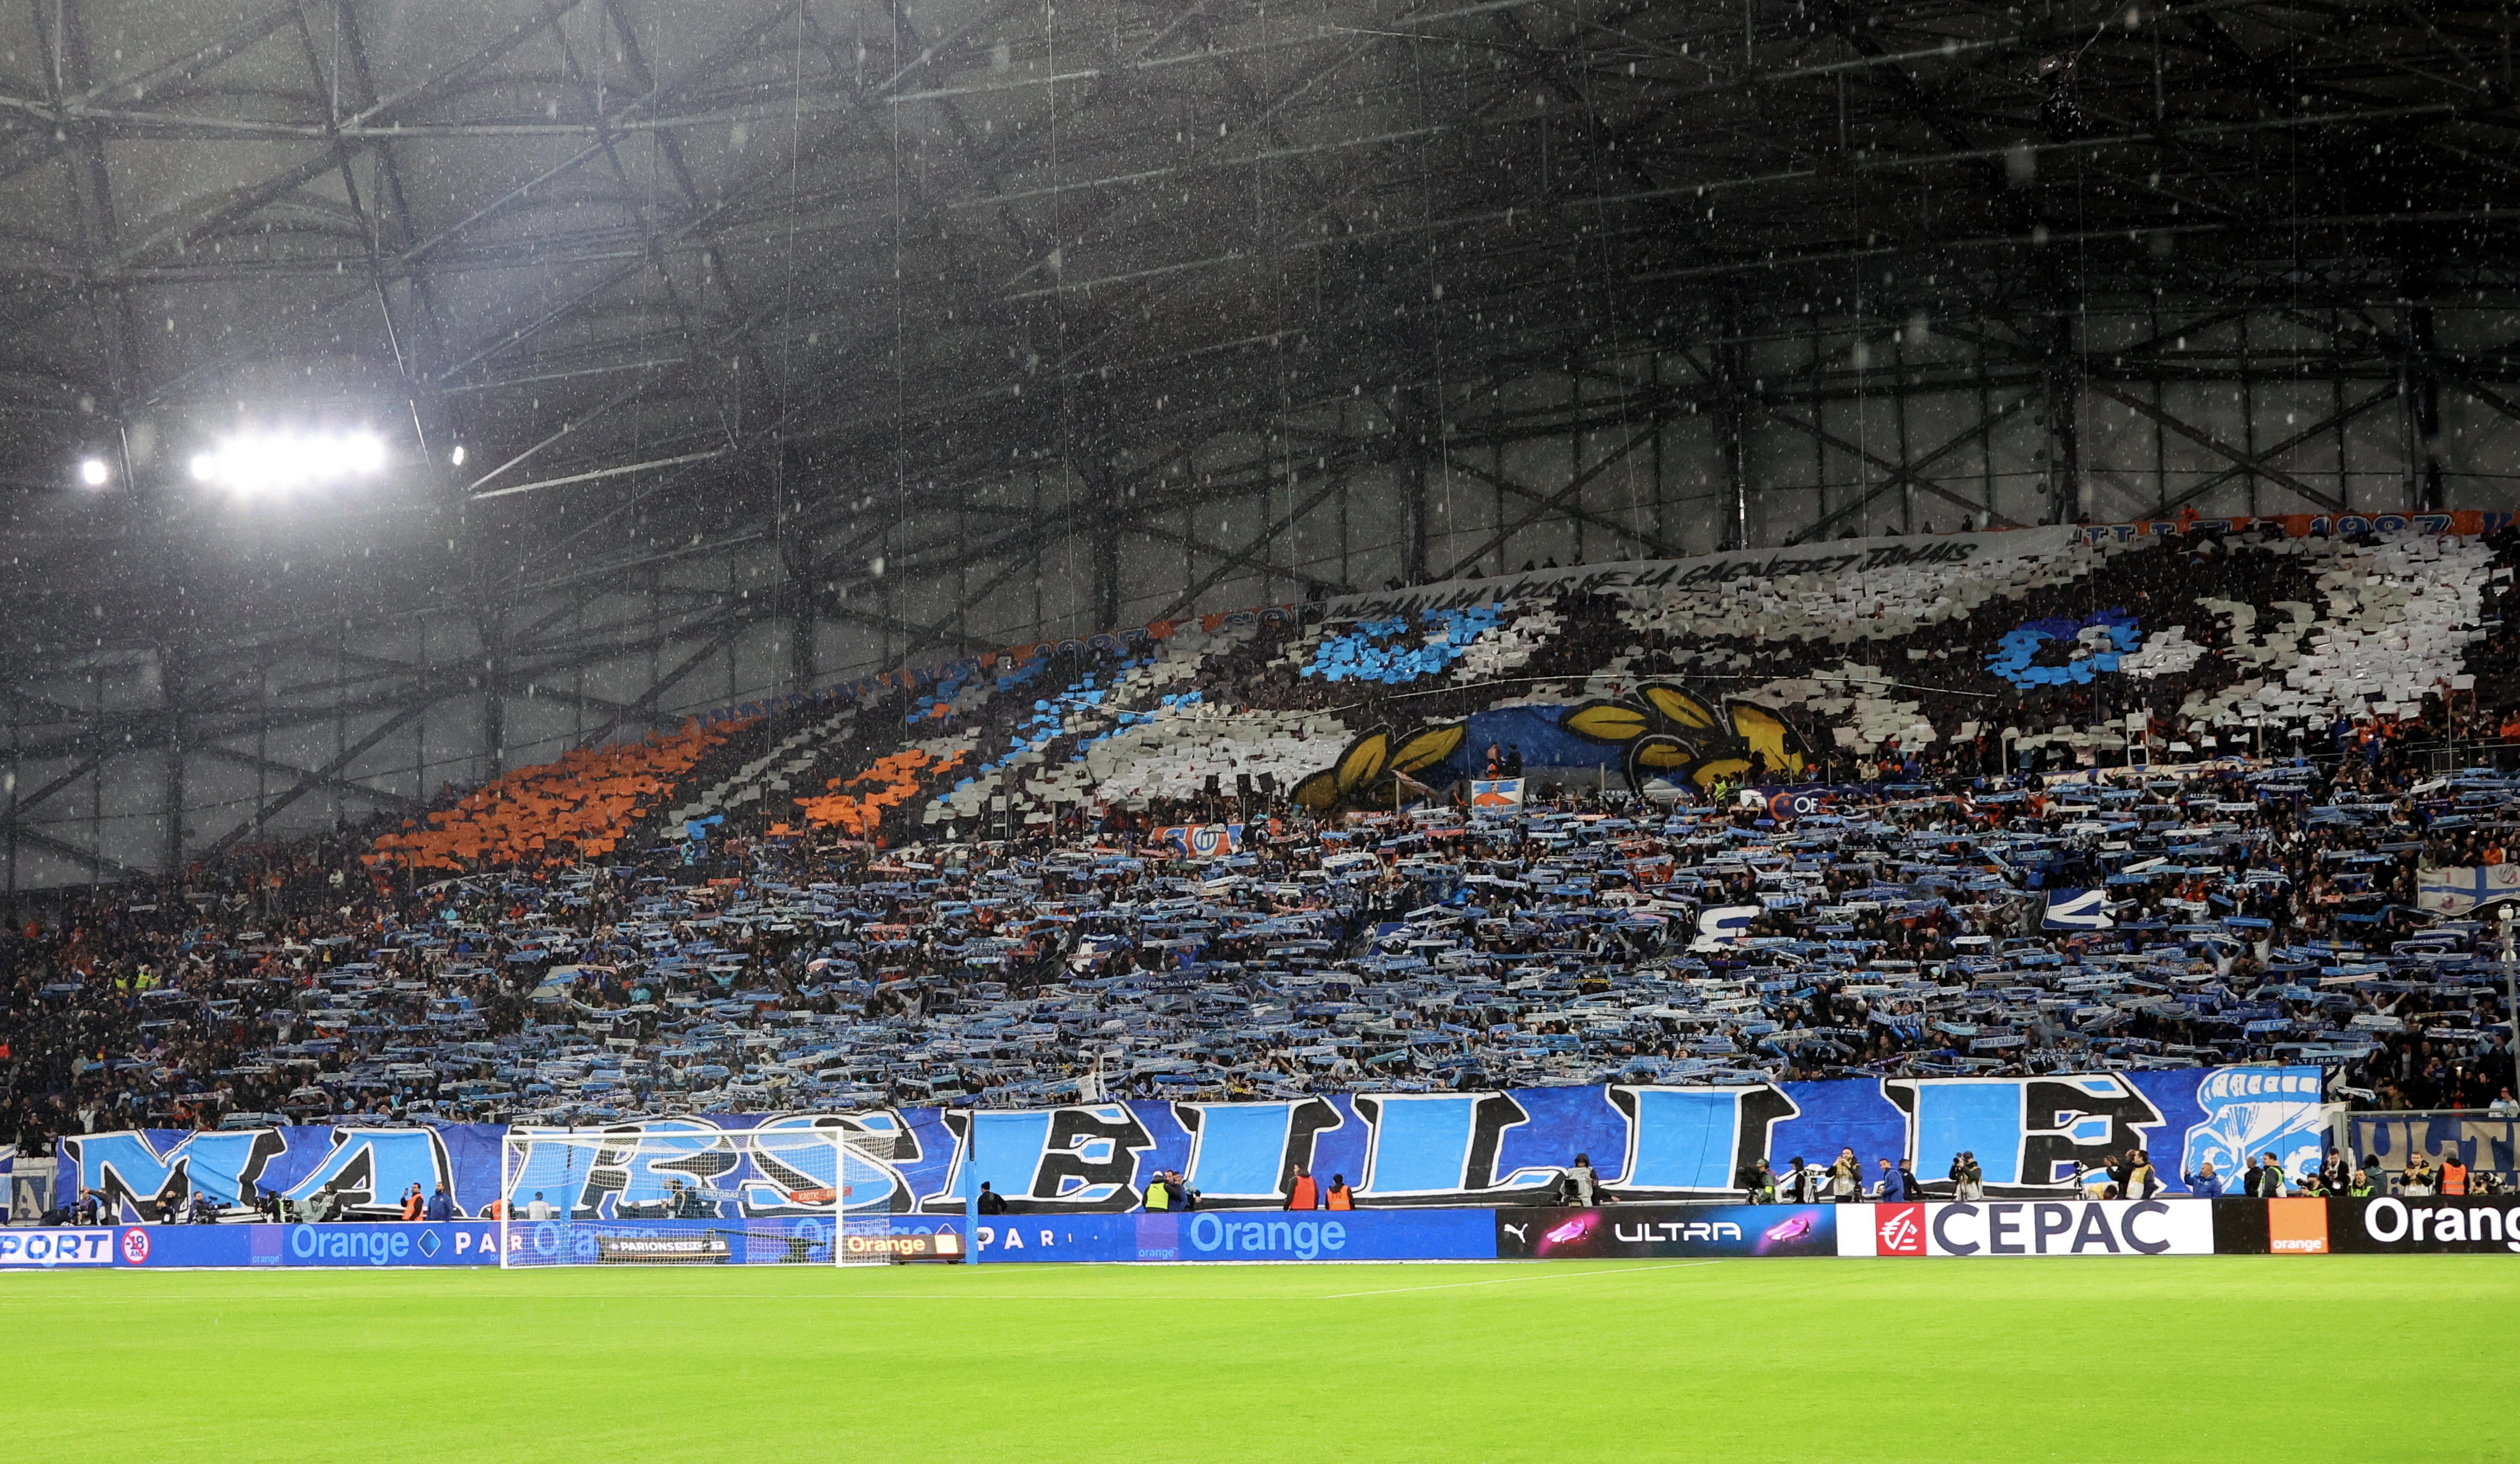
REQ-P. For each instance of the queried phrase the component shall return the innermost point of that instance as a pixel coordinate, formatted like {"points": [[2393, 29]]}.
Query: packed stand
{"points": [[1052, 882]]}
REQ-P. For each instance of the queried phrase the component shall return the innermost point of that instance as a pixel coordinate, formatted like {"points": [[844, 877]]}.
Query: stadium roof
{"points": [[673, 275]]}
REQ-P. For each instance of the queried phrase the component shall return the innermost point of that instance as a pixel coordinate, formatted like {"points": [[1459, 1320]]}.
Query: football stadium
{"points": [[1369, 730]]}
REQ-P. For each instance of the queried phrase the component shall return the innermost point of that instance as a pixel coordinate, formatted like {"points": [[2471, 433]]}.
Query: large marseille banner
{"points": [[2032, 1138]]}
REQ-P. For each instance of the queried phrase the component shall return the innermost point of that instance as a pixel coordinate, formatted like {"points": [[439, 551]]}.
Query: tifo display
{"points": [[2005, 882]]}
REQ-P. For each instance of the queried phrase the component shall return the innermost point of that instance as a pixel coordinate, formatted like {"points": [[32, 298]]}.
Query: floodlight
{"points": [[276, 462], [92, 473]]}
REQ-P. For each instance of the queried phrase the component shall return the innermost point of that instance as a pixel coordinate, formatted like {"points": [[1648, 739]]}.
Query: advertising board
{"points": [[2392, 1223], [2029, 1227], [1244, 1236], [1667, 1230], [56, 1246]]}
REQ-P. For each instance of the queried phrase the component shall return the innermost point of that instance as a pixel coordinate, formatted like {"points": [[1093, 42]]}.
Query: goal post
{"points": [[677, 1193]]}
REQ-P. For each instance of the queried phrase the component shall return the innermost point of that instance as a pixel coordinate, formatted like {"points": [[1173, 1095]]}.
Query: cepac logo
{"points": [[135, 1247], [1901, 1229]]}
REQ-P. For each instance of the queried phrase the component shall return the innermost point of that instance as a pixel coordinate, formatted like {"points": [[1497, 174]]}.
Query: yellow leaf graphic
{"points": [[1318, 792], [1429, 746], [1767, 732], [1363, 760], [1663, 752], [1683, 709], [1606, 722], [1705, 774]]}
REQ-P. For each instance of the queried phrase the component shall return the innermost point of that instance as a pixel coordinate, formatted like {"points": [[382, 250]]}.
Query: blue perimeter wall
{"points": [[1202, 1235]]}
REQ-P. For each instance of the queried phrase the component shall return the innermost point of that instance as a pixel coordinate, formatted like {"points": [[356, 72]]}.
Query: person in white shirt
{"points": [[2505, 1106], [540, 1209]]}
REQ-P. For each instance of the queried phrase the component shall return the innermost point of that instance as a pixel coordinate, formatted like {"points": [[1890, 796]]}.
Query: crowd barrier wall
{"points": [[2131, 1229], [2032, 1138]]}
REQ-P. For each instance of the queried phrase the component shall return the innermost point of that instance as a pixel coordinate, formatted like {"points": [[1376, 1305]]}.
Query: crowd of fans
{"points": [[2256, 910]]}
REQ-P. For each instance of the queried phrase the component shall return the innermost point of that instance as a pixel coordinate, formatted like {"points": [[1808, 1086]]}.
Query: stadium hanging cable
{"points": [[782, 520], [972, 1182]]}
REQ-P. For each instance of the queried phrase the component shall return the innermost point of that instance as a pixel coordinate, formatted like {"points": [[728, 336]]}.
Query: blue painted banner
{"points": [[2478, 1141], [2031, 1136]]}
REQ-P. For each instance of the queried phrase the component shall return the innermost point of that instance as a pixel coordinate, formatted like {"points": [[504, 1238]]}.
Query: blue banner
{"points": [[2031, 1136], [2478, 1141]]}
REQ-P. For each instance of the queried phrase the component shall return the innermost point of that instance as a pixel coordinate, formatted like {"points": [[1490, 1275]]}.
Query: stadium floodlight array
{"points": [[646, 1194], [253, 463]]}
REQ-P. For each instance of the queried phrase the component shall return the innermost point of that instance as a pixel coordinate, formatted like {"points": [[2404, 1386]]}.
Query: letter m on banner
{"points": [[128, 1169]]}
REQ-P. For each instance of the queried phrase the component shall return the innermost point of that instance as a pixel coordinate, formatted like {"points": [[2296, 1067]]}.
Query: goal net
{"points": [[685, 1194]]}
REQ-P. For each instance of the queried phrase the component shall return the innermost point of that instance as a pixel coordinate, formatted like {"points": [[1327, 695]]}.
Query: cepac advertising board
{"points": [[1650, 1231], [2028, 1228]]}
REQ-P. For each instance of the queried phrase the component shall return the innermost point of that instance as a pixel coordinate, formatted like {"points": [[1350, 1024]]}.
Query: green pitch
{"points": [[2220, 1359]]}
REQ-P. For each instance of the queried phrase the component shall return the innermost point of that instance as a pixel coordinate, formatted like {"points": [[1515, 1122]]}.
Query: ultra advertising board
{"points": [[1666, 1231]]}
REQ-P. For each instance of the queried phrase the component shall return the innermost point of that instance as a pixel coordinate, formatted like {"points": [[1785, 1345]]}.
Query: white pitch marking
{"points": [[1629, 1270]]}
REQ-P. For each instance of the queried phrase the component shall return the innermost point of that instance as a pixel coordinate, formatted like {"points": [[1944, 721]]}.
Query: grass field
{"points": [[2213, 1359]]}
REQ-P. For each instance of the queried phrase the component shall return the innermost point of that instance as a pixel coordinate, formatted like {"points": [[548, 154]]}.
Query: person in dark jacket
{"points": [[990, 1201], [1909, 1186], [441, 1206], [1582, 1182], [2140, 1182]]}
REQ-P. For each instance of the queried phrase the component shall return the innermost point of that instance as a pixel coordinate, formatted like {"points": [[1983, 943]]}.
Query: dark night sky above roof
{"points": [[673, 273]]}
